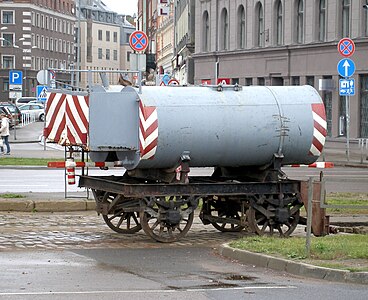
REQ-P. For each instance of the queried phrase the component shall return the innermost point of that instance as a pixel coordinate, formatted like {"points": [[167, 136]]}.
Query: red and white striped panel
{"points": [[320, 129], [67, 119], [318, 164], [148, 131]]}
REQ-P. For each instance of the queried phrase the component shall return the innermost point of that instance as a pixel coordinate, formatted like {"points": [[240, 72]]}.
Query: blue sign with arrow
{"points": [[346, 67]]}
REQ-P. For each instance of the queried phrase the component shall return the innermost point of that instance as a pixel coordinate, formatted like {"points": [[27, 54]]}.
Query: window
{"points": [[47, 43], [107, 36], [107, 54], [7, 17], [322, 21], [100, 35], [8, 39], [115, 54], [33, 19], [295, 80], [47, 22], [128, 55], [51, 23], [261, 81], [51, 44], [259, 25], [310, 80], [8, 62], [42, 21], [37, 41], [241, 27], [300, 22], [345, 18], [38, 20], [115, 37], [224, 30], [248, 81], [42, 42], [206, 32], [279, 23], [99, 53]]}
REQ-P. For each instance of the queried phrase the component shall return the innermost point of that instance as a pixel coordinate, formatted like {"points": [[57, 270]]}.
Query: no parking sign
{"points": [[138, 41]]}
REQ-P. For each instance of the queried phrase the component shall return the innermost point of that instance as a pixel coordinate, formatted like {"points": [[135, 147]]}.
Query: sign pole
{"points": [[347, 104], [346, 69]]}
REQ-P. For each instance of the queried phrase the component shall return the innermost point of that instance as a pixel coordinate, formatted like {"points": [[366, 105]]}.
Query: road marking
{"points": [[257, 287], [22, 185]]}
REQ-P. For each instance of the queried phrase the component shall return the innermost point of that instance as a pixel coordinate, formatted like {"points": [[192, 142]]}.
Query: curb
{"points": [[292, 267], [26, 205]]}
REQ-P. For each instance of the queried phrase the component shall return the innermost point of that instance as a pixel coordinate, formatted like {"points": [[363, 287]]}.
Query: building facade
{"points": [[35, 35], [184, 39], [99, 42], [165, 45], [286, 42]]}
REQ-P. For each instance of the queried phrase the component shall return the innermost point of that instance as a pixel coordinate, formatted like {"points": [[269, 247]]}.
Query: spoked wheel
{"points": [[225, 212], [261, 223], [168, 219], [118, 219]]}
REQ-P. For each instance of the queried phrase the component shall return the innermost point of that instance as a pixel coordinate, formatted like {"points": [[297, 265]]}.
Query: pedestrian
{"points": [[4, 133]]}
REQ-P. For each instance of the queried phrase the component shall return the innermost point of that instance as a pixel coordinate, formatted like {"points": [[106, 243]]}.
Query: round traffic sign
{"points": [[346, 67], [173, 81], [346, 47], [138, 40]]}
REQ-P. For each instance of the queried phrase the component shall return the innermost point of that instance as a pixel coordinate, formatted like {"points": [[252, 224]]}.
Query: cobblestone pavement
{"points": [[87, 230]]}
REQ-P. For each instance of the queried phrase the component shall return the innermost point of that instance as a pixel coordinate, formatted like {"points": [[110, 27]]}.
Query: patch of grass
{"points": [[12, 196], [336, 249], [16, 161], [352, 199]]}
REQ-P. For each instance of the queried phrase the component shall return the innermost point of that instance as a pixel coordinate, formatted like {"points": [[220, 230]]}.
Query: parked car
{"points": [[24, 100], [34, 109], [15, 112]]}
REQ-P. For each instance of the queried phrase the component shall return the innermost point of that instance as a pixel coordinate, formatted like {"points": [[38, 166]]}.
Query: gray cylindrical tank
{"points": [[216, 128]]}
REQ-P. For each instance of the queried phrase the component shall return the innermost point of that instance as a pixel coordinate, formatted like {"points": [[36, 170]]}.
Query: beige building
{"points": [[286, 42], [164, 44], [100, 42]]}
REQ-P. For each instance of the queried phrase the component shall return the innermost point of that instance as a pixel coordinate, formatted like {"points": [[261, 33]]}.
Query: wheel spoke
{"points": [[120, 221], [259, 223], [169, 228]]}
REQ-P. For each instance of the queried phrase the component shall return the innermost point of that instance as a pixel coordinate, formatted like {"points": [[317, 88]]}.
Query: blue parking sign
{"points": [[16, 77]]}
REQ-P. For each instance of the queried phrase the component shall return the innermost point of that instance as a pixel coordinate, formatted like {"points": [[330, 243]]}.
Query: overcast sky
{"points": [[126, 7]]}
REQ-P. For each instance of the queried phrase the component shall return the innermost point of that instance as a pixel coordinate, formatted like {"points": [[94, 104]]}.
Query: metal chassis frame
{"points": [[196, 187]]}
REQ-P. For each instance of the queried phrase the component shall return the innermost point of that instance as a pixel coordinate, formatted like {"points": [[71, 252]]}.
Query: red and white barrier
{"points": [[319, 164], [81, 164]]}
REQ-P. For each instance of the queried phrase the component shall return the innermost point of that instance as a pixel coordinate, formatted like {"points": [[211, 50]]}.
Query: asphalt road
{"points": [[76, 256], [22, 180]]}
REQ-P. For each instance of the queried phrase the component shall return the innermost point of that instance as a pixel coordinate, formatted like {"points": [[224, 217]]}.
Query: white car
{"points": [[24, 100], [34, 109]]}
